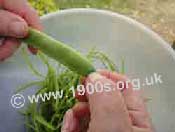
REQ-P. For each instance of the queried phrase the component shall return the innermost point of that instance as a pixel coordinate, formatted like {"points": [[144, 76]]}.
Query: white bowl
{"points": [[145, 53]]}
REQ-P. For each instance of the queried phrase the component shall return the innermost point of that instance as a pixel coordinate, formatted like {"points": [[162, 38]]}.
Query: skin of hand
{"points": [[112, 111], [15, 17]]}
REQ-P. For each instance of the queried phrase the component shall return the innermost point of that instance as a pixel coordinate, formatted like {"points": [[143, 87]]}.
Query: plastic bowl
{"points": [[144, 52]]}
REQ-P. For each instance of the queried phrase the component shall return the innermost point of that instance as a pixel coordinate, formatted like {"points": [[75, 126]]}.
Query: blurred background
{"points": [[159, 15]]}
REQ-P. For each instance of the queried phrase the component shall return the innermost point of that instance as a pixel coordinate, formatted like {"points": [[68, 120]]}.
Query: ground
{"points": [[159, 15]]}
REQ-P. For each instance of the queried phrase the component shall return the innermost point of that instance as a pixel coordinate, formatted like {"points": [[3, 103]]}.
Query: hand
{"points": [[15, 17], [113, 111]]}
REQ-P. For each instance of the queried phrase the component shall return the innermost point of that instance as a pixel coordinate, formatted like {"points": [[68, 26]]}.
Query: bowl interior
{"points": [[145, 54]]}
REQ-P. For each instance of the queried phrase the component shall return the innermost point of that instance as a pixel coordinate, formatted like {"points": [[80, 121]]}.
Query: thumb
{"points": [[12, 25], [107, 106]]}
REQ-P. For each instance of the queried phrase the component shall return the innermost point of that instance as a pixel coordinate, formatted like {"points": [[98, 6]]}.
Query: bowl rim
{"points": [[127, 19]]}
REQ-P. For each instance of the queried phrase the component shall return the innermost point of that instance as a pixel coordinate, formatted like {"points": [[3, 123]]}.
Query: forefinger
{"points": [[133, 100], [28, 13], [23, 9]]}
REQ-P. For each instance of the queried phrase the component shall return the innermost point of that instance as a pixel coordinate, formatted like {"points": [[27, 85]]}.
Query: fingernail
{"points": [[94, 77], [18, 29], [67, 121]]}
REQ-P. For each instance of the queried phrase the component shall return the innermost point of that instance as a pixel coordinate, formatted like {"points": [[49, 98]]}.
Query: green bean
{"points": [[60, 52]]}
